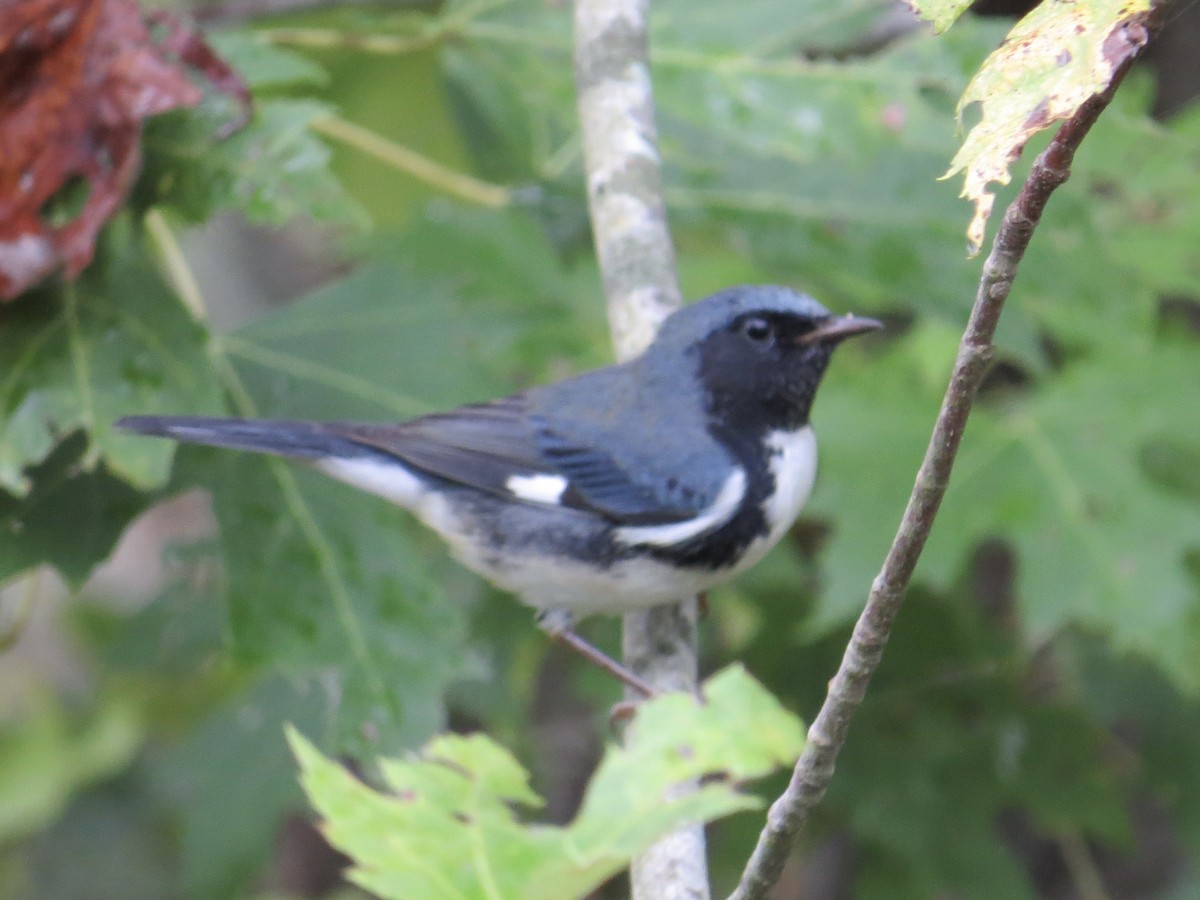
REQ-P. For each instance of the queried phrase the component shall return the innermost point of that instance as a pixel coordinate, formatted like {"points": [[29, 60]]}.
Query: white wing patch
{"points": [[716, 515], [389, 480], [537, 488]]}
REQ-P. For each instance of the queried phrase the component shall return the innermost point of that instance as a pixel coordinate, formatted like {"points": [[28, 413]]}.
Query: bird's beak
{"points": [[838, 328]]}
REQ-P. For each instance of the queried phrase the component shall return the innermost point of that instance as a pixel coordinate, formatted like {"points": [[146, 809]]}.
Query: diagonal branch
{"points": [[814, 770], [637, 263]]}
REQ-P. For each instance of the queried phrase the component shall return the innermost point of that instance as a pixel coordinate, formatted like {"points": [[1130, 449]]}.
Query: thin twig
{"points": [[637, 263], [814, 769]]}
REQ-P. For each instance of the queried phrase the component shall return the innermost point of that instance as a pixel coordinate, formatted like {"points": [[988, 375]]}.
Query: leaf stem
{"points": [[337, 39], [184, 281], [428, 32], [336, 379], [14, 624], [322, 549], [178, 271], [455, 183], [236, 10], [81, 364], [814, 769]]}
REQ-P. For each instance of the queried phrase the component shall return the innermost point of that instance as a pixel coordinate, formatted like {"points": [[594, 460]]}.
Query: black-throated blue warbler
{"points": [[615, 490]]}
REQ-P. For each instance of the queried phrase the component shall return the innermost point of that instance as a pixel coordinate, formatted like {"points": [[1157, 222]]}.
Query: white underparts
{"points": [[716, 515], [546, 579], [389, 480], [793, 462]]}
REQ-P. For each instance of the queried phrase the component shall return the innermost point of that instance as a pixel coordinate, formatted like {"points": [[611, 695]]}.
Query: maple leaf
{"points": [[77, 79], [1055, 59]]}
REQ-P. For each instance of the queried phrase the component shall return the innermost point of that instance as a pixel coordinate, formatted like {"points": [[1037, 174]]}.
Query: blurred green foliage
{"points": [[1042, 684]]}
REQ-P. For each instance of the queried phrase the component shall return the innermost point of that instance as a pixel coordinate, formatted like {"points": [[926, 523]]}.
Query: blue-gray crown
{"points": [[696, 321]]}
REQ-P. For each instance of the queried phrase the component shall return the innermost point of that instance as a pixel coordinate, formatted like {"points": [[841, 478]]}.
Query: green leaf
{"points": [[231, 780], [1124, 214], [1099, 543], [1134, 699], [1055, 769], [178, 638], [767, 29], [447, 828], [1061, 473], [49, 754], [118, 341], [273, 170], [323, 578], [872, 418], [263, 64], [632, 800], [1054, 59], [822, 167], [951, 739], [70, 518], [942, 13]]}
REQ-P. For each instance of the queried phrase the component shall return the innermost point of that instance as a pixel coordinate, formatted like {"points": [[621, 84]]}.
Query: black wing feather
{"points": [[598, 482], [483, 445]]}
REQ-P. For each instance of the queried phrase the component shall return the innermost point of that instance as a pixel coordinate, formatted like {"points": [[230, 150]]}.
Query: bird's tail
{"points": [[303, 440]]}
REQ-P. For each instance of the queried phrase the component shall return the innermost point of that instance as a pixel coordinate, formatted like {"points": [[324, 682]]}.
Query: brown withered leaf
{"points": [[77, 79]]}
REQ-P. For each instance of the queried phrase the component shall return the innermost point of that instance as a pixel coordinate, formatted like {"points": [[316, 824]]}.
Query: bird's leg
{"points": [[558, 626], [603, 660]]}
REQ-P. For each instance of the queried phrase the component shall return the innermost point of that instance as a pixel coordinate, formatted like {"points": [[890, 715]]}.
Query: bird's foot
{"points": [[622, 714]]}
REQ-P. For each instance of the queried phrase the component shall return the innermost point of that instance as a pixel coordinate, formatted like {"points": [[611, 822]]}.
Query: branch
{"points": [[814, 769], [624, 173], [637, 264]]}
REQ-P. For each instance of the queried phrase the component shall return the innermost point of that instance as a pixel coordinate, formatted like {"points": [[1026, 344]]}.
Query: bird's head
{"points": [[758, 352]]}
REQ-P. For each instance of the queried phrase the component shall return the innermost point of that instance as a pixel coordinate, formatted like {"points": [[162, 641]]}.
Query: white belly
{"points": [[642, 582]]}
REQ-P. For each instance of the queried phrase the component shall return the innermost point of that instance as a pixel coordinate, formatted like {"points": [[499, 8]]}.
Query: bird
{"points": [[614, 490]]}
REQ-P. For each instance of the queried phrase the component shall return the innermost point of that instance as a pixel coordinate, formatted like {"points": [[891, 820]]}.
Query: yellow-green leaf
{"points": [[1055, 58], [942, 13], [447, 829]]}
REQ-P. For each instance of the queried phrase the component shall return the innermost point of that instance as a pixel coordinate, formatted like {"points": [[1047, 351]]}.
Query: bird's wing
{"points": [[482, 445], [502, 448], [597, 481]]}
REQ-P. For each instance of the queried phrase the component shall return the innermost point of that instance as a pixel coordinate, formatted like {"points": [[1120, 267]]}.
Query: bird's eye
{"points": [[758, 330]]}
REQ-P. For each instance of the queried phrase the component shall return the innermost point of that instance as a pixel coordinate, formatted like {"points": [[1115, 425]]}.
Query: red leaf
{"points": [[77, 79]]}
